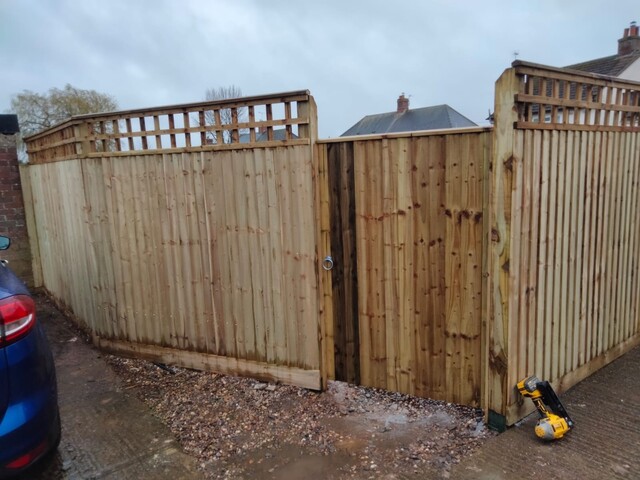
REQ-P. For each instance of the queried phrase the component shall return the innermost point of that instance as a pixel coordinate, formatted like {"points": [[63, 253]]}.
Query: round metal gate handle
{"points": [[327, 263]]}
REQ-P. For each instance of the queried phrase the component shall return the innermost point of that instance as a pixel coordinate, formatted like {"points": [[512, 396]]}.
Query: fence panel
{"points": [[203, 256], [565, 250]]}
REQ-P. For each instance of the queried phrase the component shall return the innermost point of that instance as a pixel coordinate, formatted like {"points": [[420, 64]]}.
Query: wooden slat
{"points": [[341, 205], [26, 180], [436, 163], [541, 140], [560, 262], [271, 373]]}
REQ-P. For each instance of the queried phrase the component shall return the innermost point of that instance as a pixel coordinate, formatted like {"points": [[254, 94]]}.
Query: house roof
{"points": [[427, 118], [278, 134], [612, 65]]}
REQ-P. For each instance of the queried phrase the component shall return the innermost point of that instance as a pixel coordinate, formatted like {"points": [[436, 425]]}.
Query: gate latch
{"points": [[327, 263]]}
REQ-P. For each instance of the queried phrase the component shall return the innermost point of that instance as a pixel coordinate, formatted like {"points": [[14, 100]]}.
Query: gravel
{"points": [[242, 428]]}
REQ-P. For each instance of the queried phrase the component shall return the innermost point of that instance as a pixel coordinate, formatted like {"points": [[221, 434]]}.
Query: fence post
{"points": [[499, 318], [81, 133]]}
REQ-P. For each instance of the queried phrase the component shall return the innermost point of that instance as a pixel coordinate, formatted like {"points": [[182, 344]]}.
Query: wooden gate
{"points": [[406, 236]]}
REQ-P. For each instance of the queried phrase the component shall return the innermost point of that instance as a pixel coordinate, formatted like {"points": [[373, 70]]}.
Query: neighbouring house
{"points": [[625, 64], [409, 120]]}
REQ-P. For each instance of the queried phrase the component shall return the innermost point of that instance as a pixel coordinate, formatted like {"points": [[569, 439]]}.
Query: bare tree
{"points": [[37, 111], [227, 115]]}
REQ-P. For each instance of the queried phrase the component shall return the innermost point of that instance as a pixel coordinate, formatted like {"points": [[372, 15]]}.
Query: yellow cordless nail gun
{"points": [[554, 421]]}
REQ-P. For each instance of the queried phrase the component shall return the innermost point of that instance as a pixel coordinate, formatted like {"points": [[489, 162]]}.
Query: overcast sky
{"points": [[355, 57]]}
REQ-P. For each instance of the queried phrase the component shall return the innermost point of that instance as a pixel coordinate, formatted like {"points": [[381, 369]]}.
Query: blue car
{"points": [[29, 417]]}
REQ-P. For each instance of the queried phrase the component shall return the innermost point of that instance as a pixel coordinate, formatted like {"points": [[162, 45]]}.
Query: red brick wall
{"points": [[12, 216]]}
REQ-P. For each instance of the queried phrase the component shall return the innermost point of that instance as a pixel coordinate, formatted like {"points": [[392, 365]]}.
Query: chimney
{"points": [[403, 104], [630, 42]]}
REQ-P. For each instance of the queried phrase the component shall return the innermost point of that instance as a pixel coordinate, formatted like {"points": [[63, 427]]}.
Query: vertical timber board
{"points": [[454, 199], [221, 191], [404, 247], [421, 278], [32, 228], [437, 168], [99, 244], [498, 390], [340, 166], [471, 326], [307, 321], [324, 245], [198, 236], [276, 259], [627, 261], [635, 320], [157, 317], [559, 290], [258, 218], [216, 267]]}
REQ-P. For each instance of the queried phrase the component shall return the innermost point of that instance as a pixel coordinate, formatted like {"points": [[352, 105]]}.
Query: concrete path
{"points": [[605, 443], [106, 433]]}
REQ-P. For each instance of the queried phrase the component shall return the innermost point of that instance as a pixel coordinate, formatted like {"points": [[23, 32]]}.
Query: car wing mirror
{"points": [[4, 242]]}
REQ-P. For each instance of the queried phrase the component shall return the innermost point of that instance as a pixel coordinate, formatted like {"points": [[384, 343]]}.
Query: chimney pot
{"points": [[630, 42], [403, 104]]}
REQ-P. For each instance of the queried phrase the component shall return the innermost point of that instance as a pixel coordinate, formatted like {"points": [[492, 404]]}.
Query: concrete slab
{"points": [[605, 442], [106, 433]]}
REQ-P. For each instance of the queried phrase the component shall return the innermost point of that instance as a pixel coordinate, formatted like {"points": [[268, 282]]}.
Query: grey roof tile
{"points": [[427, 118], [612, 65]]}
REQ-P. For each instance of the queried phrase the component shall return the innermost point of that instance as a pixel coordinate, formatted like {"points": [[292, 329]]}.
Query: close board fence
{"points": [[463, 260]]}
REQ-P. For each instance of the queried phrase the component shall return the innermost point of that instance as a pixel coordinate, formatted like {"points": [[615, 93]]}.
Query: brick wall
{"points": [[12, 216]]}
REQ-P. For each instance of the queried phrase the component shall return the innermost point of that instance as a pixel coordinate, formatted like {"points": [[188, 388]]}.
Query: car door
{"points": [[4, 383]]}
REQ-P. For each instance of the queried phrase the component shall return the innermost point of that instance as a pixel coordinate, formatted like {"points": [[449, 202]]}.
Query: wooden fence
{"points": [[565, 246], [199, 251], [463, 260], [406, 234]]}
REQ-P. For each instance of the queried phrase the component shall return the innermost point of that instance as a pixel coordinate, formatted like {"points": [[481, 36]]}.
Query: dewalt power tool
{"points": [[554, 421]]}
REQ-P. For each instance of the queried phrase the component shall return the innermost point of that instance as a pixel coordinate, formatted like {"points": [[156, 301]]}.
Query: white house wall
{"points": [[632, 72]]}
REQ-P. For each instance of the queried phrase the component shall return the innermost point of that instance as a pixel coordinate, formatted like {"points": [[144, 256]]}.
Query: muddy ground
{"points": [[239, 428], [242, 428]]}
